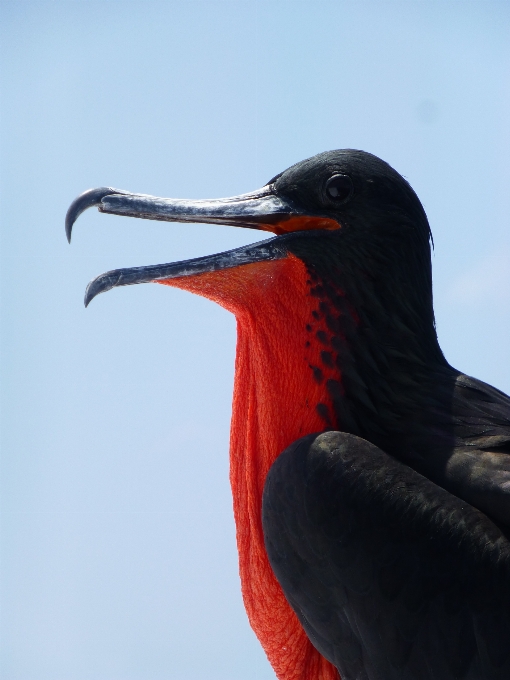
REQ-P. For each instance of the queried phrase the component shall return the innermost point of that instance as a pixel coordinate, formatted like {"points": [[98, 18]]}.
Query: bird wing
{"points": [[481, 415], [392, 577]]}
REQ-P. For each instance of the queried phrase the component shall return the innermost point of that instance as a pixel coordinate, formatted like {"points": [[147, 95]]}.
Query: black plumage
{"points": [[377, 536], [392, 577]]}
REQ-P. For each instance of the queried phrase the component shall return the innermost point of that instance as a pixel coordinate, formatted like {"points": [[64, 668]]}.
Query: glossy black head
{"points": [[382, 248], [343, 210], [368, 198]]}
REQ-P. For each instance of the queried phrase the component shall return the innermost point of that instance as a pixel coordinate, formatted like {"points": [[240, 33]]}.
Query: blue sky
{"points": [[118, 551]]}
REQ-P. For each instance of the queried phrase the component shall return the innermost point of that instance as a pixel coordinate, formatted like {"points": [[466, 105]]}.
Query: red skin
{"points": [[275, 399]]}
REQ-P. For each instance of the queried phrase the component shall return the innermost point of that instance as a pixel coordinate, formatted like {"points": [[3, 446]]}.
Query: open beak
{"points": [[262, 209]]}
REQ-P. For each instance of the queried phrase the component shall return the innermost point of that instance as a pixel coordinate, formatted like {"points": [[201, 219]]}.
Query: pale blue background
{"points": [[118, 552]]}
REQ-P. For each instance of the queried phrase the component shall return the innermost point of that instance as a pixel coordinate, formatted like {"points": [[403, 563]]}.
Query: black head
{"points": [[381, 249], [370, 200], [346, 213]]}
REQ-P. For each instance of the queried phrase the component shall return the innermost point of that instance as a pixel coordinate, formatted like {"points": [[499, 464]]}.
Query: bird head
{"points": [[343, 208]]}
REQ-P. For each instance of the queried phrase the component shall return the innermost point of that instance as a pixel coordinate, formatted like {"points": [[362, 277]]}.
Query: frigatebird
{"points": [[371, 480]]}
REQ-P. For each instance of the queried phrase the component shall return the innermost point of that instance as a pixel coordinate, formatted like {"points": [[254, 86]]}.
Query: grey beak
{"points": [[256, 210]]}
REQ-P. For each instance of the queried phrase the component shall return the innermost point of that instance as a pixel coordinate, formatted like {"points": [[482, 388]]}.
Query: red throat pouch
{"points": [[278, 393]]}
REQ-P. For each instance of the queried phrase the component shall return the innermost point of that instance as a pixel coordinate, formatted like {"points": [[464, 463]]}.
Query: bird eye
{"points": [[339, 188]]}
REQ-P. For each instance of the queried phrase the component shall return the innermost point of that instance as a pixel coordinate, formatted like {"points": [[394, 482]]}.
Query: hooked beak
{"points": [[262, 209]]}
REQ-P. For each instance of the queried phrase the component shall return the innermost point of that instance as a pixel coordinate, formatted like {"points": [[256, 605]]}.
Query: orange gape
{"points": [[275, 399], [300, 223]]}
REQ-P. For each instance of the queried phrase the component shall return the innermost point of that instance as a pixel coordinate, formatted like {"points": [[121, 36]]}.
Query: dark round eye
{"points": [[339, 188]]}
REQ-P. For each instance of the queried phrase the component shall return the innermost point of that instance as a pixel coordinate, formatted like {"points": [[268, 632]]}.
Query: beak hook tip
{"points": [[69, 227], [89, 198], [91, 291]]}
